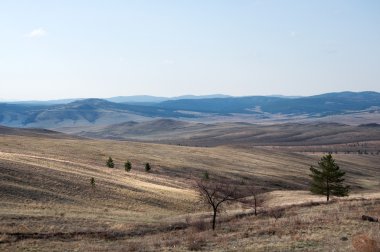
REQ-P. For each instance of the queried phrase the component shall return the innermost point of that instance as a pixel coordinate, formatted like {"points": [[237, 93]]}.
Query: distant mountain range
{"points": [[92, 112], [122, 99], [320, 105]]}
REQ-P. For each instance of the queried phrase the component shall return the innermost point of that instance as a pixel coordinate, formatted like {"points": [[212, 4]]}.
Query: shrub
{"points": [[110, 163], [147, 167], [92, 182], [127, 166], [206, 175], [277, 213]]}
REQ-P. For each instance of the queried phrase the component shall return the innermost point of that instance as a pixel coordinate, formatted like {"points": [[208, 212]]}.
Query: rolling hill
{"points": [[93, 112], [49, 204], [30, 132], [320, 105], [78, 113], [243, 134]]}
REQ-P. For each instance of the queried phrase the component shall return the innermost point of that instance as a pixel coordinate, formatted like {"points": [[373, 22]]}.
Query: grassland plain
{"points": [[238, 133], [48, 203]]}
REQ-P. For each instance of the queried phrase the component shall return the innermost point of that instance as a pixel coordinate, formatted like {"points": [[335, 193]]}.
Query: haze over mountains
{"points": [[122, 99], [100, 112]]}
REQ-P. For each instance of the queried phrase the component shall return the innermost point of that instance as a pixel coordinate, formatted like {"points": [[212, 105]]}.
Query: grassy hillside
{"points": [[48, 202], [199, 134], [34, 132]]}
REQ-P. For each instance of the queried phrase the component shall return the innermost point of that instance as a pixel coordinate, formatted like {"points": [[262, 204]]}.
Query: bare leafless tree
{"points": [[215, 193], [276, 213], [254, 197]]}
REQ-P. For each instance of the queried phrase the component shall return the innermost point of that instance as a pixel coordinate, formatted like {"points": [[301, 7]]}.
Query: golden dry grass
{"points": [[45, 189]]}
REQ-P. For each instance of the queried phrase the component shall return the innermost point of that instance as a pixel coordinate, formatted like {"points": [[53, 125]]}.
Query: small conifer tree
{"points": [[127, 166], [327, 178], [110, 163], [206, 175], [147, 167], [92, 182]]}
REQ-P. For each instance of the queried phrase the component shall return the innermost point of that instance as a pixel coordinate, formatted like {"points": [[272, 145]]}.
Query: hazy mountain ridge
{"points": [[103, 112], [82, 112], [325, 104], [148, 99]]}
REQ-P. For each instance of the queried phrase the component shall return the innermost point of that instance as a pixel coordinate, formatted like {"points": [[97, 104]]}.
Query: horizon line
{"points": [[2, 100]]}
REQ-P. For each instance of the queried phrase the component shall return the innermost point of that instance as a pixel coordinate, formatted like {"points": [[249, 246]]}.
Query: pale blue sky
{"points": [[59, 49]]}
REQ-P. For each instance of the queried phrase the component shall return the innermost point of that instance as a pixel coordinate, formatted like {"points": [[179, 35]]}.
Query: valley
{"points": [[48, 201], [175, 126], [227, 133], [57, 193]]}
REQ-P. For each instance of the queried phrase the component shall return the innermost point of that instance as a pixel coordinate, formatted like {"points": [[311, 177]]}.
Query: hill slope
{"points": [[326, 104], [199, 134], [48, 203], [78, 113], [91, 112], [43, 133]]}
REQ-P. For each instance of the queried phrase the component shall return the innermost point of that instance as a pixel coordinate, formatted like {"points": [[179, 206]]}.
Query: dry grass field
{"points": [[48, 203], [234, 133]]}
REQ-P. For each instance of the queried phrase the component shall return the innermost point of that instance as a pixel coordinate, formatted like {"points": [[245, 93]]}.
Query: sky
{"points": [[55, 49]]}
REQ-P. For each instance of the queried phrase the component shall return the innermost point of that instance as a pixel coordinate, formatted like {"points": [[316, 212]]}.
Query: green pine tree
{"points": [[128, 166], [147, 167], [327, 178], [92, 182], [110, 163], [206, 175]]}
